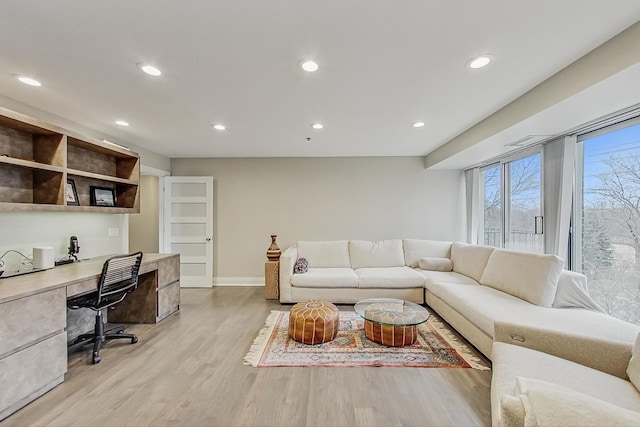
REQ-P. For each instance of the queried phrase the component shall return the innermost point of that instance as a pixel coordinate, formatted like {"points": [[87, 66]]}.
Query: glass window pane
{"points": [[188, 209], [610, 240], [188, 189], [190, 249], [491, 207], [525, 205], [188, 230]]}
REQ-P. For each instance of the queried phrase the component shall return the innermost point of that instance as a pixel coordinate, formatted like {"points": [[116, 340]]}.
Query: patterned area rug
{"points": [[436, 347]]}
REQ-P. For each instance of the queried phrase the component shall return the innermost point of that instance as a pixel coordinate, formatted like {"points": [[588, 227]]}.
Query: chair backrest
{"points": [[119, 277]]}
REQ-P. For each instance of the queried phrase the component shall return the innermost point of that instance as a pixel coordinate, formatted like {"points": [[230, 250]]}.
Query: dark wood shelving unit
{"points": [[37, 158]]}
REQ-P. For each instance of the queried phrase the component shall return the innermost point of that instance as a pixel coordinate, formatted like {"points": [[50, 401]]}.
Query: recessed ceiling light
{"points": [[122, 123], [317, 125], [150, 69], [29, 81], [219, 126], [480, 61], [417, 124], [308, 65]]}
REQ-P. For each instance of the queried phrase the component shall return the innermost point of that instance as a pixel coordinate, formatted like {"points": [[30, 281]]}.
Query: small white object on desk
{"points": [[43, 257]]}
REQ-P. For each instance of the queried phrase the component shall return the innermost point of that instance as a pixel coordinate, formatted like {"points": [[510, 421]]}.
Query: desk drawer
{"points": [[29, 373], [26, 320], [168, 271], [168, 300]]}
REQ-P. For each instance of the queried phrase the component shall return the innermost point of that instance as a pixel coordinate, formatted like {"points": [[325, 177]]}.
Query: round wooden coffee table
{"points": [[391, 322]]}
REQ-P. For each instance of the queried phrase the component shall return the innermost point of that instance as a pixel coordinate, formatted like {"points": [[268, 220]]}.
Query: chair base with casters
{"points": [[119, 278], [99, 336]]}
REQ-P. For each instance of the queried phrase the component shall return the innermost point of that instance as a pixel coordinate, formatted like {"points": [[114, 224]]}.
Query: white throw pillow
{"points": [[633, 370], [325, 254], [511, 411], [435, 264], [470, 260], [547, 404], [528, 276], [380, 253], [416, 249]]}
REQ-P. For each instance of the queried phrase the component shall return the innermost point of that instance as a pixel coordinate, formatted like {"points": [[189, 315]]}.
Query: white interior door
{"points": [[188, 227]]}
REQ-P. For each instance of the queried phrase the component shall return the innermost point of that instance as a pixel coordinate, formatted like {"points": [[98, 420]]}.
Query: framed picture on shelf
{"points": [[72, 194], [102, 196]]}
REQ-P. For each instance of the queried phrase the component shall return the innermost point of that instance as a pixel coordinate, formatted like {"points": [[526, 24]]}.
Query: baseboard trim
{"points": [[238, 281]]}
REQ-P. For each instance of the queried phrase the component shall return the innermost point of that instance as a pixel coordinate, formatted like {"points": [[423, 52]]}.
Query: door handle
{"points": [[538, 225], [208, 239]]}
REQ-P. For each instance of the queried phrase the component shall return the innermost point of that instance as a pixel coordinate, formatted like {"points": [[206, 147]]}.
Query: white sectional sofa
{"points": [[546, 324]]}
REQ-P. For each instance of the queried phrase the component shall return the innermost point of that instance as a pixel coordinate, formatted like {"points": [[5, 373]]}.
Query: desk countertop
{"points": [[64, 275]]}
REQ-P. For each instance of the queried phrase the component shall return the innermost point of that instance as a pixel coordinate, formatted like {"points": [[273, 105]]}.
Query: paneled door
{"points": [[188, 227]]}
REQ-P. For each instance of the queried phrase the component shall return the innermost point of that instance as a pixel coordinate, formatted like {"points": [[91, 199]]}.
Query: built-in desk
{"points": [[33, 320]]}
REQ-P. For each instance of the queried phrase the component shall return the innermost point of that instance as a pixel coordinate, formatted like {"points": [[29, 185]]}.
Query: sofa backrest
{"points": [[325, 254], [414, 250], [470, 260], [380, 253], [528, 276]]}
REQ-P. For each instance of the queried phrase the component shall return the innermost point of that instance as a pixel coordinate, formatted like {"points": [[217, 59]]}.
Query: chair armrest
{"points": [[287, 261], [604, 355]]}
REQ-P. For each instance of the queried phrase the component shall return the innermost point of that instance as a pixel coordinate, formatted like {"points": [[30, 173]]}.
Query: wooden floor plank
{"points": [[188, 371]]}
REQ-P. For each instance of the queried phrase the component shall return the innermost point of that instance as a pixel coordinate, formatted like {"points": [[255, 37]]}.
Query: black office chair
{"points": [[119, 277]]}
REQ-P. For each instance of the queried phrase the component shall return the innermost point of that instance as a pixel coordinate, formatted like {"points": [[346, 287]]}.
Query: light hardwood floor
{"points": [[188, 371]]}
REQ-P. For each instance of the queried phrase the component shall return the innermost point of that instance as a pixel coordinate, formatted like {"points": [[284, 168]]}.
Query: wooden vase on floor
{"points": [[274, 252]]}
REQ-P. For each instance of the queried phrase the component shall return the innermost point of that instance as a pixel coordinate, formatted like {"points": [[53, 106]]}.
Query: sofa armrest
{"points": [[287, 261], [611, 357]]}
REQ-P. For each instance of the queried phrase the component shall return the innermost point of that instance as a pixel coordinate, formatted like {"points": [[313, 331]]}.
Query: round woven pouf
{"points": [[313, 322]]}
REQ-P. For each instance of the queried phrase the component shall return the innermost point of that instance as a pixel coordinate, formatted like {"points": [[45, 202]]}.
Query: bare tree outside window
{"points": [[524, 204], [611, 221]]}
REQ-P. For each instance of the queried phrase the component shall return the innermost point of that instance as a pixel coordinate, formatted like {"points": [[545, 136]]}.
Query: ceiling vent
{"points": [[528, 140]]}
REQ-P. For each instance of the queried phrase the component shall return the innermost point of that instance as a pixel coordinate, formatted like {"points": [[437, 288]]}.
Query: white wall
{"points": [[22, 231], [367, 198], [144, 227]]}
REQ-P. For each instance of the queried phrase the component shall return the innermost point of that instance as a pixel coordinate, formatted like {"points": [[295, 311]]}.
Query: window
{"points": [[490, 207], [607, 218], [523, 216], [510, 214]]}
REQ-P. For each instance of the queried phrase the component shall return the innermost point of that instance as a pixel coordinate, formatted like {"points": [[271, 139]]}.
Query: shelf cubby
{"points": [[36, 159]]}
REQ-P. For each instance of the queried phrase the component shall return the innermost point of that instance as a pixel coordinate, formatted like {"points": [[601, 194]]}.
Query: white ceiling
{"points": [[383, 65]]}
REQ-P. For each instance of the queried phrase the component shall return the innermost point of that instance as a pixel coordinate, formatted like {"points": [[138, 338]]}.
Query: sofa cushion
{"points": [[511, 361], [435, 264], [633, 371], [389, 277], [470, 260], [548, 404], [326, 278], [325, 254], [445, 277], [416, 249], [380, 253], [531, 277]]}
